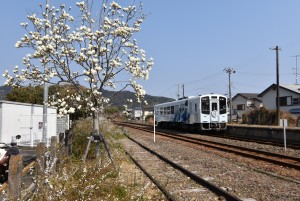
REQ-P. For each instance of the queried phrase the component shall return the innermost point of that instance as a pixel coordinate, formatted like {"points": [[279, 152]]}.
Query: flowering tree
{"points": [[90, 50]]}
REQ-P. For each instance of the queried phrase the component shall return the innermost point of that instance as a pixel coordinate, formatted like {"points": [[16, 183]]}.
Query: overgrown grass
{"points": [[78, 180], [262, 116]]}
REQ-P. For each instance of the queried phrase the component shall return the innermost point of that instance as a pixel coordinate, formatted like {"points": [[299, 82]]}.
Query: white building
{"points": [[25, 120], [245, 102], [141, 113], [289, 97]]}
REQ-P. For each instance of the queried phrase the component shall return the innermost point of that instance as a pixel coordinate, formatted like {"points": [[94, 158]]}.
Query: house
{"points": [[137, 113], [141, 113], [289, 97], [244, 102]]}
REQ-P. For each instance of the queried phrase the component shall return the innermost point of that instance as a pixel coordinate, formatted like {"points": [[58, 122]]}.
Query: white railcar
{"points": [[205, 112]]}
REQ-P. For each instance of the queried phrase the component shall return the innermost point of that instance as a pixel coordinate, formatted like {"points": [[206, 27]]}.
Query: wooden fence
{"points": [[12, 187]]}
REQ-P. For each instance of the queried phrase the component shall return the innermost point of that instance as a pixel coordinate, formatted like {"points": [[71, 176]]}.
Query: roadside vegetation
{"points": [[119, 179], [263, 116]]}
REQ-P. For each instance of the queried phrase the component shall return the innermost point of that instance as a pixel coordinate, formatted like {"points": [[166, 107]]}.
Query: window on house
{"points": [[240, 107], [296, 101], [250, 104], [285, 101]]}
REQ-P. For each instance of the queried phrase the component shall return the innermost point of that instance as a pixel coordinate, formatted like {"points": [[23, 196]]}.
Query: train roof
{"points": [[183, 99]]}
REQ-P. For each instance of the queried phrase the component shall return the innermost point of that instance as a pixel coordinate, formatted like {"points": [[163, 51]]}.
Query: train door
{"points": [[214, 104]]}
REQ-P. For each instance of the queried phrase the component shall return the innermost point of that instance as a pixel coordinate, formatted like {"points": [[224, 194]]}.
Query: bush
{"points": [[263, 116], [149, 118]]}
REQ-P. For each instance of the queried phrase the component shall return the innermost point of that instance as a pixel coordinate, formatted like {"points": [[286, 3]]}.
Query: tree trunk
{"points": [[96, 125], [96, 132]]}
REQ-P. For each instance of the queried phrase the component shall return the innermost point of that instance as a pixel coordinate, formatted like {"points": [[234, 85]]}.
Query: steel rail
{"points": [[165, 192], [222, 147], [246, 139], [260, 141], [196, 178]]}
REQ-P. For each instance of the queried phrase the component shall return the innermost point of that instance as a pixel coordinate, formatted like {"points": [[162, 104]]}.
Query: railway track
{"points": [[245, 139], [256, 140], [200, 183], [273, 158]]}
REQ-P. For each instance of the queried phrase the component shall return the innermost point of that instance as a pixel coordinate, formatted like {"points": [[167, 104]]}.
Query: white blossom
{"points": [[92, 48]]}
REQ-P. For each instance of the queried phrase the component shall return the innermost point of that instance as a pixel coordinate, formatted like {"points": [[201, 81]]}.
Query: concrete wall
{"points": [[265, 132]]}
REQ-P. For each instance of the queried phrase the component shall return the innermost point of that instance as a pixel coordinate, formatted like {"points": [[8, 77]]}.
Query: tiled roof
{"points": [[249, 96], [290, 87]]}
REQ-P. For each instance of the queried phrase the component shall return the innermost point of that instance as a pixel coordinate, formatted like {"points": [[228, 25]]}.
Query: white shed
{"points": [[25, 120]]}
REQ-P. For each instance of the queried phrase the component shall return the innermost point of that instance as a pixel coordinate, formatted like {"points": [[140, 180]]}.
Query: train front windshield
{"points": [[222, 102], [205, 105]]}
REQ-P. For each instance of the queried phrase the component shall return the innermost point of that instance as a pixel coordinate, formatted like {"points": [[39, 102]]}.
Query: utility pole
{"points": [[277, 84], [296, 73], [45, 97], [178, 94], [182, 90], [229, 71]]}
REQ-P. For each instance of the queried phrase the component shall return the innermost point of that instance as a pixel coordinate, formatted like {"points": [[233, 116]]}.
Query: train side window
{"points": [[195, 107], [222, 105], [165, 110], [176, 108], [161, 111], [172, 109], [168, 110], [205, 108]]}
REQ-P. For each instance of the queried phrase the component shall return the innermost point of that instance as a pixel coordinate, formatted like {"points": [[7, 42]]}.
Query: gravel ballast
{"points": [[236, 177]]}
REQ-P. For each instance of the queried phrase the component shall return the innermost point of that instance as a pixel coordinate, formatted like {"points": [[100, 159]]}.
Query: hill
{"points": [[3, 91], [116, 99], [120, 98]]}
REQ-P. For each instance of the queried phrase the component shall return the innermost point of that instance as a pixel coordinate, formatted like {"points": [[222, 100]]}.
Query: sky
{"points": [[193, 41]]}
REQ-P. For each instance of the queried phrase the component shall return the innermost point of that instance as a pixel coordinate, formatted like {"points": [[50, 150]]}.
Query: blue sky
{"points": [[192, 42]]}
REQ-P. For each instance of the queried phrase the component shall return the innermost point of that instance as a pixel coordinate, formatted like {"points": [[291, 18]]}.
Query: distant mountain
{"points": [[116, 99], [4, 90], [121, 98]]}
